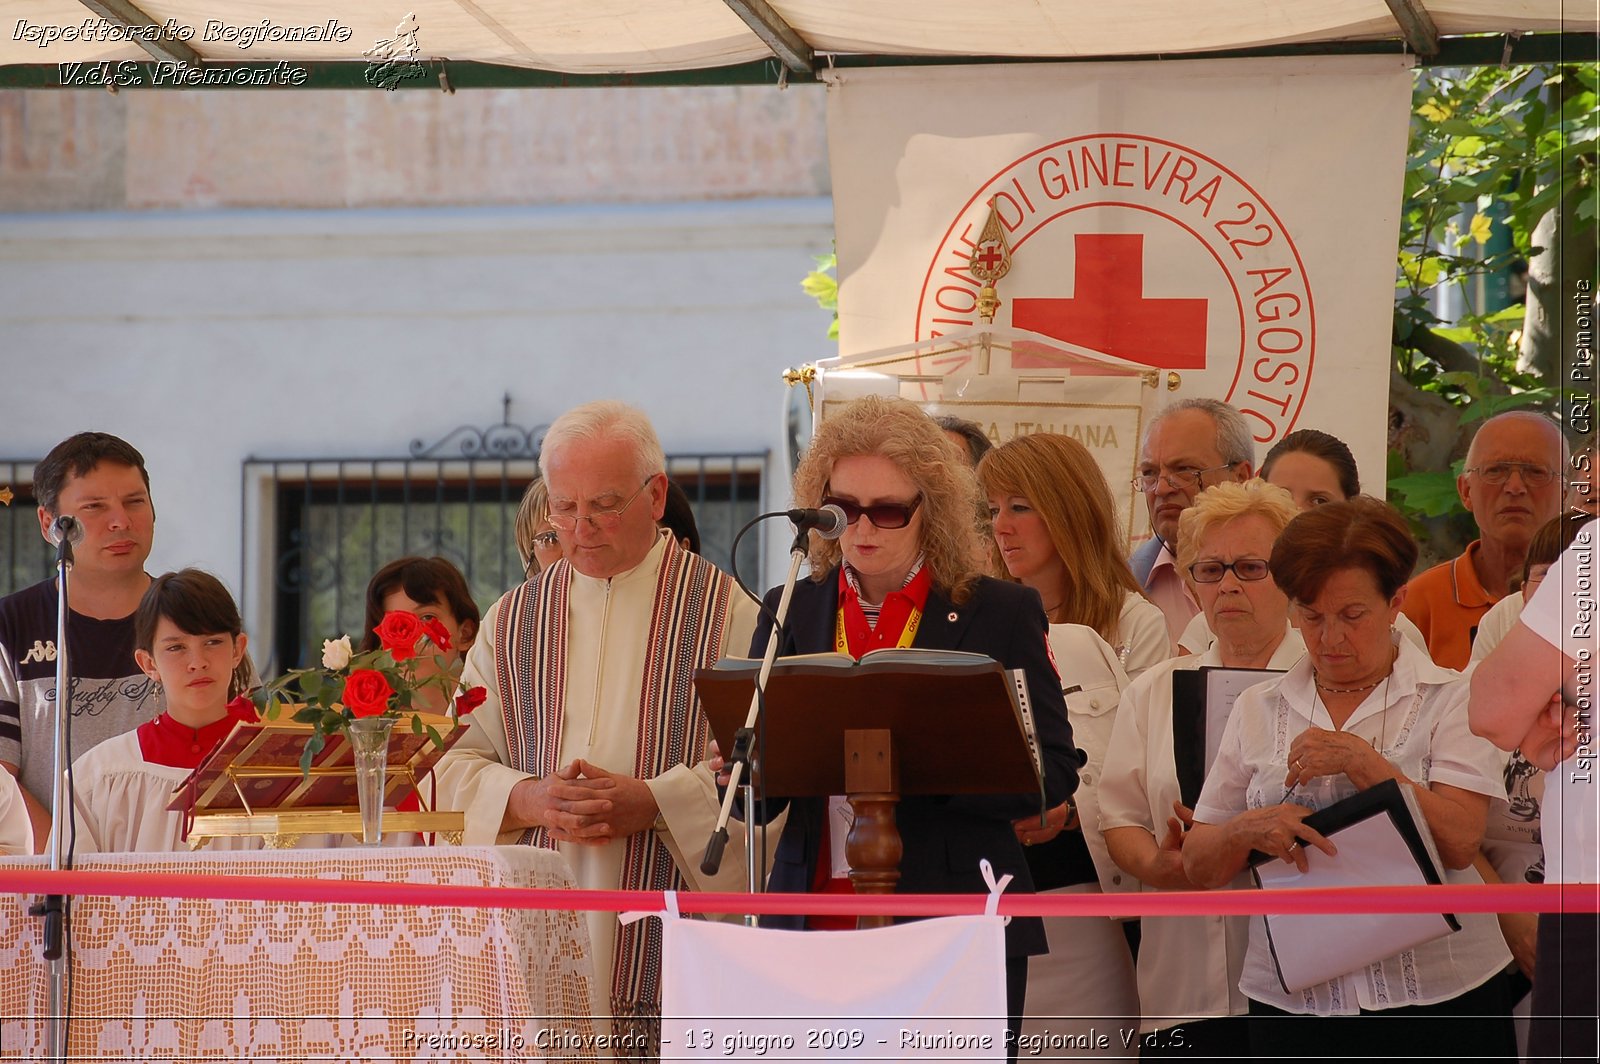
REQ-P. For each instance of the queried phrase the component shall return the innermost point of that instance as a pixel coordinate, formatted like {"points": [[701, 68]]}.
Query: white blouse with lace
{"points": [[1418, 720]]}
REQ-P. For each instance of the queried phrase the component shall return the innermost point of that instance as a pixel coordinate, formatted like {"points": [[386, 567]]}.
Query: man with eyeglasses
{"points": [[1189, 446], [1511, 485], [592, 741]]}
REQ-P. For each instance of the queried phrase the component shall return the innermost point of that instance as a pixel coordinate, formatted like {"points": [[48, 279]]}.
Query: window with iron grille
{"points": [[25, 558], [325, 526]]}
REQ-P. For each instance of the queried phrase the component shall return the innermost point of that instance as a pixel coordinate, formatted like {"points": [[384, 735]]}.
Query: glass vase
{"points": [[369, 739]]}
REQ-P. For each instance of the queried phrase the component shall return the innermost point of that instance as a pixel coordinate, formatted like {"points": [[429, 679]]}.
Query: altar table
{"points": [[182, 979]]}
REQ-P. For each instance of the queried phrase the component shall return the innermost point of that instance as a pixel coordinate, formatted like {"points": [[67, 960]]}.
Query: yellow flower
{"points": [[1480, 227]]}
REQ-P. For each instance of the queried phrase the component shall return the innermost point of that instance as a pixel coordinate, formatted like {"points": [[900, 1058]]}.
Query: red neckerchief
{"points": [[897, 609], [164, 741]]}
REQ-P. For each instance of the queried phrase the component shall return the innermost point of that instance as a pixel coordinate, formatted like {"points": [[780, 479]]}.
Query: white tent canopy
{"points": [[611, 36]]}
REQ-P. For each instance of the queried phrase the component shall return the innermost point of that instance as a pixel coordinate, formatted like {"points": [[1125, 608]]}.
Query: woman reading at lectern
{"points": [[902, 575]]}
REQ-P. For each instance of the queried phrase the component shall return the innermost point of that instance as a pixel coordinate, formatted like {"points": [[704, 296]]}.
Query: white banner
{"points": [[922, 991], [1233, 220]]}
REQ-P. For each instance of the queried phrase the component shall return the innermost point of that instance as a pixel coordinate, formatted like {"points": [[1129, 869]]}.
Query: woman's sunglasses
{"points": [[882, 515]]}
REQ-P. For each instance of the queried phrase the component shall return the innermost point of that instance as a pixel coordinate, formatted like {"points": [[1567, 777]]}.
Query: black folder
{"points": [[1304, 945], [1190, 711]]}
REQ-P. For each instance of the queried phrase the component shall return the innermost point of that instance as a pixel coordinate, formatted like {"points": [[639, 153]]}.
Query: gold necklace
{"points": [[1345, 690], [1394, 656]]}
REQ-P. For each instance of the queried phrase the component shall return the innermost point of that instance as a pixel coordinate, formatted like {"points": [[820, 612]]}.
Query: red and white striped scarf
{"points": [[689, 621]]}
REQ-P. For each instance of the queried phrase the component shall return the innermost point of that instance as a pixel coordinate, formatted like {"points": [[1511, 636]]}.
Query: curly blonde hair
{"points": [[898, 430], [1065, 486], [1221, 503]]}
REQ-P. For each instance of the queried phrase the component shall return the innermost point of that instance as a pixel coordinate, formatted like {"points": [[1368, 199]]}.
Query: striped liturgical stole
{"points": [[689, 620]]}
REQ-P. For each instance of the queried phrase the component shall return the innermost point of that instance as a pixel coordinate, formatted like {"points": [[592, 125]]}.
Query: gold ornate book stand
{"points": [[252, 785]]}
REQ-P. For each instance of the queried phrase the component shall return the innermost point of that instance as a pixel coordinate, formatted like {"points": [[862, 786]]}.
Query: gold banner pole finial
{"points": [[804, 375], [6, 496], [990, 261]]}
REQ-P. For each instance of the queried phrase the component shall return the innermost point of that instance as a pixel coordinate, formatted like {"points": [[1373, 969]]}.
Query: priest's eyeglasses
{"points": [[605, 520], [886, 515], [1212, 571], [1534, 476]]}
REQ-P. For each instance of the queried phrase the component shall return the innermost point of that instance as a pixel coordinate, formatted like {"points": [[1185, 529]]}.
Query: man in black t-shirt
{"points": [[100, 480]]}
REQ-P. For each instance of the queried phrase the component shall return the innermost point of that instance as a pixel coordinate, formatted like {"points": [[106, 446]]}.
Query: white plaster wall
{"points": [[204, 338]]}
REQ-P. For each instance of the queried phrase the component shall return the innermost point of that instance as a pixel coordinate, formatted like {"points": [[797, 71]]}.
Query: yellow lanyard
{"points": [[907, 634]]}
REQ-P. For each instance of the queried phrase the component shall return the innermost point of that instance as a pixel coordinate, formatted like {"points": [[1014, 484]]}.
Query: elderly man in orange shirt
{"points": [[1511, 485]]}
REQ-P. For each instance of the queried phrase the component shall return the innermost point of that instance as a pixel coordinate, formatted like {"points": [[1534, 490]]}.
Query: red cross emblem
{"points": [[1108, 311]]}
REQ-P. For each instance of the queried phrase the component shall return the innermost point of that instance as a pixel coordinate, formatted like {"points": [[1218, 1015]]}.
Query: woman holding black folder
{"points": [[1188, 968], [902, 575], [1362, 707]]}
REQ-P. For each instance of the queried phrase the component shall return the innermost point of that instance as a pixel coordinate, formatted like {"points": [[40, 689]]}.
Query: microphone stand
{"points": [[52, 907], [739, 758]]}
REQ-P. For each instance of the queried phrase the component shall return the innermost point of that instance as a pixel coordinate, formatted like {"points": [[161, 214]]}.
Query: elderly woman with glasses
{"points": [[538, 543], [902, 574], [1364, 706], [1316, 468], [1188, 966]]}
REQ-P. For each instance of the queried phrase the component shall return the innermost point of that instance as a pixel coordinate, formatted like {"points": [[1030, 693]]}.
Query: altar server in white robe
{"points": [[592, 740], [188, 638]]}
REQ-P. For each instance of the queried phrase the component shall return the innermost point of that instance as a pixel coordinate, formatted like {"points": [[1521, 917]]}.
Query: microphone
{"points": [[829, 522], [65, 527]]}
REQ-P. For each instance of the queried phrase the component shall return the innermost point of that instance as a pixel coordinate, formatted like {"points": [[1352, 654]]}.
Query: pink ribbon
{"points": [[1474, 898]]}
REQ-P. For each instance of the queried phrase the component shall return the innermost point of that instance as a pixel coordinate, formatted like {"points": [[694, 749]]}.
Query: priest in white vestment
{"points": [[592, 740]]}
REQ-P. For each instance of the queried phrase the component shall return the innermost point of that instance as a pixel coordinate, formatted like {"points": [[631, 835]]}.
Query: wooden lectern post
{"points": [[872, 782]]}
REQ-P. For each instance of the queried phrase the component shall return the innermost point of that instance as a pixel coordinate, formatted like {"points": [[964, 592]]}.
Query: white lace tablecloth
{"points": [[179, 979]]}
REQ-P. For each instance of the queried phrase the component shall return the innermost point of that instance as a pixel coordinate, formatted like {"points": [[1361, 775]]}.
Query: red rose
{"points": [[367, 692], [434, 629], [470, 699], [398, 632]]}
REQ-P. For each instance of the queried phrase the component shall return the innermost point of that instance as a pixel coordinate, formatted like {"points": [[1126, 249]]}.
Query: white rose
{"points": [[336, 652]]}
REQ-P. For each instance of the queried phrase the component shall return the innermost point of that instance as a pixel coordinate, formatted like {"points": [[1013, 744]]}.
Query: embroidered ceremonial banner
{"points": [[1232, 220], [1022, 385]]}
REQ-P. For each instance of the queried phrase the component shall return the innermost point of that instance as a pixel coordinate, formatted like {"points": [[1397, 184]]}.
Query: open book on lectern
{"points": [[940, 705]]}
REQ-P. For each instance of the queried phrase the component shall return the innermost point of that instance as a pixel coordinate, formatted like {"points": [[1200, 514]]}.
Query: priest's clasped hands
{"points": [[582, 802]]}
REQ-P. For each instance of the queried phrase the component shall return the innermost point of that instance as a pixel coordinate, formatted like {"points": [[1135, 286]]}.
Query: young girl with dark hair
{"points": [[434, 590], [188, 638]]}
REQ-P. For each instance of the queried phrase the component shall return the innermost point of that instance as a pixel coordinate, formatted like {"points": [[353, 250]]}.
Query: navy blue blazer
{"points": [[944, 836]]}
